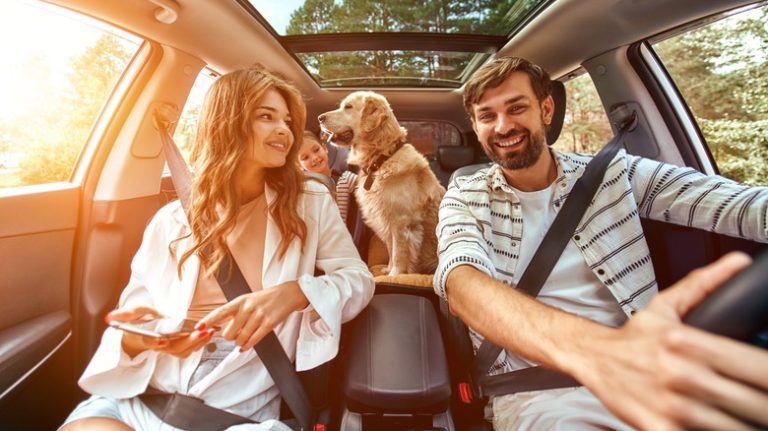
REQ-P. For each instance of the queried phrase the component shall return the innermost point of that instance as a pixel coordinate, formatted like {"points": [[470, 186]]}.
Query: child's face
{"points": [[313, 157]]}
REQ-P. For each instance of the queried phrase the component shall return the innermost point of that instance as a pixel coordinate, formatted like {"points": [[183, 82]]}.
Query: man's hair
{"points": [[491, 75]]}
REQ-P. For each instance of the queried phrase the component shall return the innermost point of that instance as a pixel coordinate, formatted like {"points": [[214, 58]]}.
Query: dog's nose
{"points": [[321, 118]]}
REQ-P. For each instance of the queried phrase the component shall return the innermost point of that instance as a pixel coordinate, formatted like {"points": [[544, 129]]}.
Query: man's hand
{"points": [[657, 373], [254, 315], [133, 344]]}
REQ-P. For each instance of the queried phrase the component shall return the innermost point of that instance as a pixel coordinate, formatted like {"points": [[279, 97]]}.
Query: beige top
{"points": [[246, 243]]}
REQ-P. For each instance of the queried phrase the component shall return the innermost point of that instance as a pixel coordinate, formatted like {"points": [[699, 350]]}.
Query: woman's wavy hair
{"points": [[223, 133]]}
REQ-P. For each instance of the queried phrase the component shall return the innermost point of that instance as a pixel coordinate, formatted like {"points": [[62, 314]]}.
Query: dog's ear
{"points": [[373, 115]]}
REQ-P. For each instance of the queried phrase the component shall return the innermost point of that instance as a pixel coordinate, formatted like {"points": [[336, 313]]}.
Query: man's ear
{"points": [[373, 115], [548, 109], [474, 123]]}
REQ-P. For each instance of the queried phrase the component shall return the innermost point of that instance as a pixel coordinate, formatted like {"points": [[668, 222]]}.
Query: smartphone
{"points": [[166, 328]]}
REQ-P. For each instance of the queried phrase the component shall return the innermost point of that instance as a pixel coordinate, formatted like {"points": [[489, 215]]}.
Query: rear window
{"points": [[426, 136]]}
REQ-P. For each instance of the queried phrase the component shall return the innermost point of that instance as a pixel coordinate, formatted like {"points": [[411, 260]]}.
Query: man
{"points": [[651, 371]]}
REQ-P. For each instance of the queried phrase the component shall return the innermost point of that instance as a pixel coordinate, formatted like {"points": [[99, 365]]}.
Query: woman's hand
{"points": [[133, 344], [254, 315]]}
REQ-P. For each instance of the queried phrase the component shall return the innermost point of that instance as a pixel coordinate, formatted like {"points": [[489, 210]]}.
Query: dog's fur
{"points": [[401, 205]]}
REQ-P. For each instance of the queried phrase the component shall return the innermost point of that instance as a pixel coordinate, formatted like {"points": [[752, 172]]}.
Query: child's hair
{"points": [[311, 135]]}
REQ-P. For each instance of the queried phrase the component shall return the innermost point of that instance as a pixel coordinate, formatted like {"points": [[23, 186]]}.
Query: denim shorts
{"points": [[97, 406]]}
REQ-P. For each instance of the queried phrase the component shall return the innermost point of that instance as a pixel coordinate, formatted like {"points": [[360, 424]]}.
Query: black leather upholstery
{"points": [[397, 363], [452, 157]]}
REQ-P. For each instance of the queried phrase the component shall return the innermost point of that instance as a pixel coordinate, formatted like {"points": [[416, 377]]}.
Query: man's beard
{"points": [[531, 153]]}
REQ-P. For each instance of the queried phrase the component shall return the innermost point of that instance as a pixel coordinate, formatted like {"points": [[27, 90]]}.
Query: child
{"points": [[313, 157]]}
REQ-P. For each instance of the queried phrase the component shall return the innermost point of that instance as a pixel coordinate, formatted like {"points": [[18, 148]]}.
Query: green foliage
{"points": [[740, 148], [443, 16], [586, 128], [54, 137], [722, 72]]}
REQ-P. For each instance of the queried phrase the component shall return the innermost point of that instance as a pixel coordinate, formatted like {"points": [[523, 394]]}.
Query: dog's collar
{"points": [[371, 170]]}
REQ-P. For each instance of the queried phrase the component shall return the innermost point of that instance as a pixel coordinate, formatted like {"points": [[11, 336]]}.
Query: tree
{"points": [[54, 146], [585, 128], [721, 70], [363, 16]]}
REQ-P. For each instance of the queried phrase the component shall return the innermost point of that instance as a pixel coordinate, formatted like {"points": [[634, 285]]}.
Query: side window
{"points": [[426, 136], [56, 72], [185, 130], [585, 127], [721, 70]]}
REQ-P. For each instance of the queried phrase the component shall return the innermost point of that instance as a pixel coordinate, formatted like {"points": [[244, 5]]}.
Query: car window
{"points": [[426, 136], [721, 70], [585, 126], [54, 79], [185, 129]]}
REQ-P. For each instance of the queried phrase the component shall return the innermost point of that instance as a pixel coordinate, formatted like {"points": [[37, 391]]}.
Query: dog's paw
{"points": [[378, 270], [395, 271]]}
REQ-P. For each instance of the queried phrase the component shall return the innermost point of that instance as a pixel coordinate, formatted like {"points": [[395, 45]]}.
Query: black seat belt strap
{"points": [[269, 349], [547, 255]]}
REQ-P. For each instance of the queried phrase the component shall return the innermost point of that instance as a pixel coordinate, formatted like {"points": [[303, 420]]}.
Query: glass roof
{"points": [[395, 42], [390, 68]]}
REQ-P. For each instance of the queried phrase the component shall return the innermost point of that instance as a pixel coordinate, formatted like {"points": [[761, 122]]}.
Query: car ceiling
{"points": [[227, 37]]}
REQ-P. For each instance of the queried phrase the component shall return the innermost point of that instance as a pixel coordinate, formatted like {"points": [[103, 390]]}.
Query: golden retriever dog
{"points": [[397, 192]]}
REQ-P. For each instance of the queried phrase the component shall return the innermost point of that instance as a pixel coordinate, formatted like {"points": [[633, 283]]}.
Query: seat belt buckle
{"points": [[465, 392], [319, 427]]}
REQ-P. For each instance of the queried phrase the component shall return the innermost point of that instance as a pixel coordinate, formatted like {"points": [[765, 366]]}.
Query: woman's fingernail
{"points": [[210, 332], [200, 326], [106, 318], [242, 350]]}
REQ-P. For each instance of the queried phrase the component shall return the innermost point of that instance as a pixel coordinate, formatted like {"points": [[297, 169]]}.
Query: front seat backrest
{"points": [[558, 95]]}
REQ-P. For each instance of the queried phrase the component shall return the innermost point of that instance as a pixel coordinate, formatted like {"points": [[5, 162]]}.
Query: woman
{"points": [[248, 197], [313, 158]]}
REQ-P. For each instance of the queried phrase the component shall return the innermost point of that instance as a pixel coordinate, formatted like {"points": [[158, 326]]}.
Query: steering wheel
{"points": [[739, 308]]}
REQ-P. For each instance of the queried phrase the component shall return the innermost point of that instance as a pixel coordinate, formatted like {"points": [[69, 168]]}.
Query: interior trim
{"points": [[680, 109], [401, 41], [24, 343]]}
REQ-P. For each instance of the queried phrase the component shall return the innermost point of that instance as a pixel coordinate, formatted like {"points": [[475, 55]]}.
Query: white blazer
{"points": [[240, 383]]}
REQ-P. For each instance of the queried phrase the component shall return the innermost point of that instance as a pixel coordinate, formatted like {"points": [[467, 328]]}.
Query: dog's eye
{"points": [[348, 106]]}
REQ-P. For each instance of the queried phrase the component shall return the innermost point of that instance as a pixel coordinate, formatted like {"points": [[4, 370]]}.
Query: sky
{"points": [[53, 40], [278, 13]]}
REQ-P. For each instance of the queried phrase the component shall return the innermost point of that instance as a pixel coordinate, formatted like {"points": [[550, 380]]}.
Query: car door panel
{"points": [[113, 237], [37, 231], [36, 238]]}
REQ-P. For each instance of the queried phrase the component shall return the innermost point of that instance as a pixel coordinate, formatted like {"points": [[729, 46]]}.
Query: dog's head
{"points": [[364, 119]]}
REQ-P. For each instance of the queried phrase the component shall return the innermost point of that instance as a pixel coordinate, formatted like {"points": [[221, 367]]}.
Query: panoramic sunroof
{"points": [[427, 43], [390, 68]]}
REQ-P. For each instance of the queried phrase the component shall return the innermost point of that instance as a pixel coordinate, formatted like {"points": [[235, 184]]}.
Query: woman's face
{"points": [[313, 156], [271, 136]]}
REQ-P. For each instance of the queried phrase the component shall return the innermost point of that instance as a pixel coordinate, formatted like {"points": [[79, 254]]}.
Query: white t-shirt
{"points": [[571, 285]]}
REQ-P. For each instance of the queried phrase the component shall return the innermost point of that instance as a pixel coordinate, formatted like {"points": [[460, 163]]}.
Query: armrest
{"points": [[396, 360]]}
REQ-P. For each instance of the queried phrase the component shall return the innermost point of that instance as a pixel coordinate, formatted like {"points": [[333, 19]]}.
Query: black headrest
{"points": [[558, 94], [452, 157]]}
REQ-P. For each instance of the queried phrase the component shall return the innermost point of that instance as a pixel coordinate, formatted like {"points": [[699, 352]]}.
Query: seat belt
{"points": [[269, 349], [531, 282]]}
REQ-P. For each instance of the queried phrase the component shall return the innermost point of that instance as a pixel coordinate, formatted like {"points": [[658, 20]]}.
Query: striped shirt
{"points": [[481, 222], [345, 187]]}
